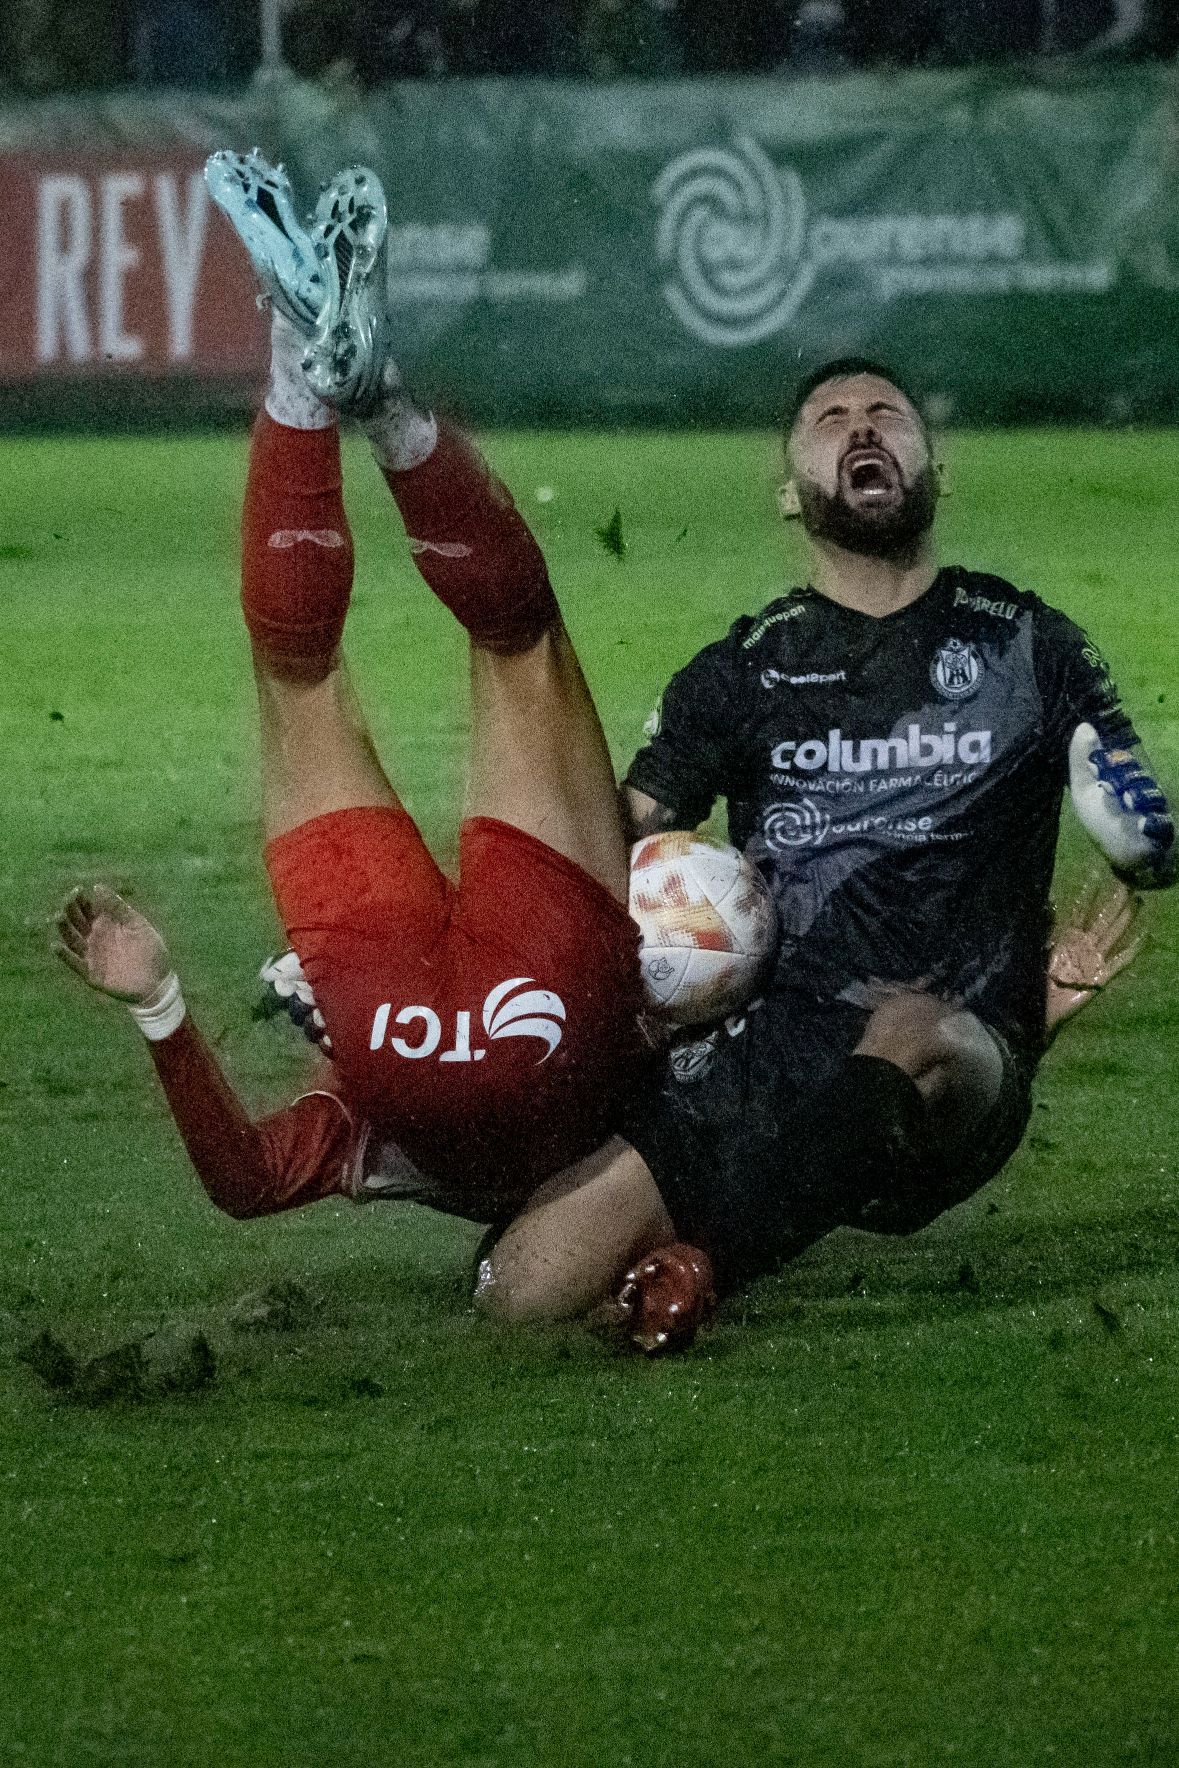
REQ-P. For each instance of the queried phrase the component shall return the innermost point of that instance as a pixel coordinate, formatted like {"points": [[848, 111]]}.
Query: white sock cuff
{"points": [[163, 1012], [289, 400], [401, 436]]}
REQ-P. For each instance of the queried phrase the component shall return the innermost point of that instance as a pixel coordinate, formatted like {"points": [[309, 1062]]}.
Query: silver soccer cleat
{"points": [[345, 360], [259, 202]]}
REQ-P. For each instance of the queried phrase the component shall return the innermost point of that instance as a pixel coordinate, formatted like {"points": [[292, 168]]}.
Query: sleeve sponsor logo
{"points": [[981, 604], [774, 619]]}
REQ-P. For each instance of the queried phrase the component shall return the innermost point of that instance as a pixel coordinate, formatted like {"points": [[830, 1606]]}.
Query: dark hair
{"points": [[840, 368]]}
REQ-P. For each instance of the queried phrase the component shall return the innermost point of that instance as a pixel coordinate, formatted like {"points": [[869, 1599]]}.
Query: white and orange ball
{"points": [[708, 925]]}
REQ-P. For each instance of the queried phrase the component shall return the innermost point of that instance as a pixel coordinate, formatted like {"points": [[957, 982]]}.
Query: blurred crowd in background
{"points": [[49, 46]]}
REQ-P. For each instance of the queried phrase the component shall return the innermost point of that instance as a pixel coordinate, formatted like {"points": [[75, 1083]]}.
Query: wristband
{"points": [[163, 1012]]}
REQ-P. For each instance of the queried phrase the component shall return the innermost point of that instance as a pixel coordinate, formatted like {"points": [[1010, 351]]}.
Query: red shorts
{"points": [[489, 1028]]}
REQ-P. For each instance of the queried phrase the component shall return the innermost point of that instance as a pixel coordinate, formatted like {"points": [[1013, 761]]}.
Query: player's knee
{"points": [[508, 1294], [948, 1052], [971, 1061], [906, 1030]]}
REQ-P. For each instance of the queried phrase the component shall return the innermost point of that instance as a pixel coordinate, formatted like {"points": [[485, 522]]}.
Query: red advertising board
{"points": [[119, 264]]}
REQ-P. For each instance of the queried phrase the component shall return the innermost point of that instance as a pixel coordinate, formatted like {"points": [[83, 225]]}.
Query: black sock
{"points": [[878, 1118], [857, 1140]]}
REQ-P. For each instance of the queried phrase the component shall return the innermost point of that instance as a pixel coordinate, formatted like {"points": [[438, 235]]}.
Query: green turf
{"points": [[910, 1503]]}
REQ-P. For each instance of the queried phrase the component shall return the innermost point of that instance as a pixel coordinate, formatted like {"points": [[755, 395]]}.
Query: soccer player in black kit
{"points": [[893, 742]]}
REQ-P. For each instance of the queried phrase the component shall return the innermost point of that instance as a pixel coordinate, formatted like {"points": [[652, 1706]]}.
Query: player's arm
{"points": [[643, 815], [1122, 807], [691, 754], [1114, 789], [308, 1151]]}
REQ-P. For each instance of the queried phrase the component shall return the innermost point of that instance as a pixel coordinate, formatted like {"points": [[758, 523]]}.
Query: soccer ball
{"points": [[708, 925]]}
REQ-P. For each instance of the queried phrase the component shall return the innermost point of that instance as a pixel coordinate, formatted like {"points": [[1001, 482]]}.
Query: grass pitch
{"points": [[910, 1503]]}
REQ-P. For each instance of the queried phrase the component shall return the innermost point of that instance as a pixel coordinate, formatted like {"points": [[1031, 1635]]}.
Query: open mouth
{"points": [[870, 471]]}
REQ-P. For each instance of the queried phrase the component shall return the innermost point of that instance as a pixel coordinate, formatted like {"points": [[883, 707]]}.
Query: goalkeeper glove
{"points": [[1122, 808], [287, 990]]}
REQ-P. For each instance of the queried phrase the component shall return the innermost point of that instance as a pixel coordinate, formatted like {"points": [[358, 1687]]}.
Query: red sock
{"points": [[473, 547], [296, 548]]}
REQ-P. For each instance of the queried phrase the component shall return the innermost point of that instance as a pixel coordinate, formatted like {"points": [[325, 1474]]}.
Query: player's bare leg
{"points": [[570, 1249], [947, 1053], [539, 759], [316, 752]]}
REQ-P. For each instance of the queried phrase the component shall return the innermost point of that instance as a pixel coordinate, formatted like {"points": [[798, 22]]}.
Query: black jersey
{"points": [[898, 781]]}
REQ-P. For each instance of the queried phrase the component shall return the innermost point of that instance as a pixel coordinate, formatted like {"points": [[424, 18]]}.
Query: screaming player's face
{"points": [[862, 473]]}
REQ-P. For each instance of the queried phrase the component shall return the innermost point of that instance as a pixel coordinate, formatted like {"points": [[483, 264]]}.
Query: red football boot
{"points": [[668, 1297]]}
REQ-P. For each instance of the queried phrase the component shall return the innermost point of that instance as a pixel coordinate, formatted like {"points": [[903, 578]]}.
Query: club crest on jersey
{"points": [[956, 670], [691, 1062]]}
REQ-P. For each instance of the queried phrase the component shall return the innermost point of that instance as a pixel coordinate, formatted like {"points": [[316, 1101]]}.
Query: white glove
{"points": [[1121, 806], [287, 990]]}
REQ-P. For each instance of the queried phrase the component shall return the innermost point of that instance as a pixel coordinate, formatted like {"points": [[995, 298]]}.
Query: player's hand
{"points": [[110, 945], [1095, 943], [287, 990], [1122, 807]]}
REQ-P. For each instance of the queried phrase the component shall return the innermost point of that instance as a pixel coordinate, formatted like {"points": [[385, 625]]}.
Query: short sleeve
{"points": [[693, 752]]}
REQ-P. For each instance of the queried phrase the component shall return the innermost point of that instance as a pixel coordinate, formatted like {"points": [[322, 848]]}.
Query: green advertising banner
{"points": [[670, 252]]}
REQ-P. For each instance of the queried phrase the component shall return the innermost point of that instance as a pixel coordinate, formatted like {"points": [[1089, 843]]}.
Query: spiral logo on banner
{"points": [[732, 232], [800, 824]]}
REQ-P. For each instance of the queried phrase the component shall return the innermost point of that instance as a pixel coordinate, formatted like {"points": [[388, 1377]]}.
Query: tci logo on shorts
{"points": [[537, 1013]]}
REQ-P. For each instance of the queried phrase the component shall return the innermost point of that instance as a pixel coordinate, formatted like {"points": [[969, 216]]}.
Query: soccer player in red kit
{"points": [[486, 1029]]}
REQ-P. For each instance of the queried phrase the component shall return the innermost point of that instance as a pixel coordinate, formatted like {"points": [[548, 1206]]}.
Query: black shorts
{"points": [[718, 1132]]}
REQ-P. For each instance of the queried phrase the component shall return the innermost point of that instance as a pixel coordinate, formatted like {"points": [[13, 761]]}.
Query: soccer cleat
{"points": [[667, 1297], [287, 990], [345, 360], [258, 201]]}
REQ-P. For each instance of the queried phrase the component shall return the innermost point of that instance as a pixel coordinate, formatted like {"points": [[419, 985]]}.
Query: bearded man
{"points": [[893, 741]]}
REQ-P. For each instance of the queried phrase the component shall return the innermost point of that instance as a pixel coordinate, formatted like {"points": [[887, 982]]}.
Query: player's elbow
{"points": [[238, 1200]]}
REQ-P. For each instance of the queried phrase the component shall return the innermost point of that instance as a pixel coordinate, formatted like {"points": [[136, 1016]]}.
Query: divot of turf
{"points": [[282, 1306], [50, 1361]]}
